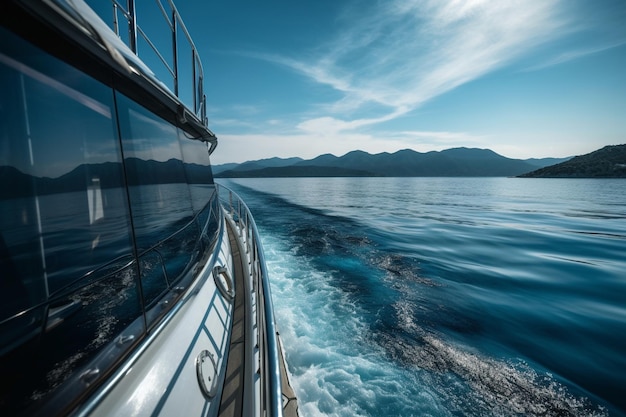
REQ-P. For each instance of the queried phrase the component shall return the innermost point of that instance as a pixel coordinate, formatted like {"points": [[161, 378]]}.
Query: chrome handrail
{"points": [[239, 212], [175, 24]]}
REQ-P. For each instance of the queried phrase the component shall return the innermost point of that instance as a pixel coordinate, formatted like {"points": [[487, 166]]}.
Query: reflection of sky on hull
{"points": [[60, 87], [195, 152], [71, 123], [154, 139], [62, 127]]}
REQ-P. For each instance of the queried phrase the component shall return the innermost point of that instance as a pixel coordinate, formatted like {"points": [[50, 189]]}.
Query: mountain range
{"points": [[455, 162], [608, 162]]}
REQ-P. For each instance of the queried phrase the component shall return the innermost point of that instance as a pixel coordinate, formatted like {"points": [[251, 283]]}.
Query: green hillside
{"points": [[608, 162]]}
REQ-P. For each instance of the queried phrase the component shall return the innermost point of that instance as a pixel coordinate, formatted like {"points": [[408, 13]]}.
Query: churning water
{"points": [[448, 296]]}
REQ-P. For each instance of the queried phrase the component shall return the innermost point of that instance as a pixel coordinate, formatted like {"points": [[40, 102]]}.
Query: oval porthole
{"points": [[206, 369], [224, 282]]}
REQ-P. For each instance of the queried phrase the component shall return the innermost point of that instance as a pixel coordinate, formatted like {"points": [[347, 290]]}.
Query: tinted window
{"points": [[165, 230], [68, 282], [201, 187]]}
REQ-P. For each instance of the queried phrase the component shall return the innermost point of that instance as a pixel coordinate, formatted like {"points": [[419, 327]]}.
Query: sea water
{"points": [[448, 296]]}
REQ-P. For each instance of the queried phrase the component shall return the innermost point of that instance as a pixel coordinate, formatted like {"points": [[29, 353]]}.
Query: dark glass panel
{"points": [[166, 232], [22, 280], [153, 277], [68, 282], [158, 186], [198, 171], [209, 219], [82, 320]]}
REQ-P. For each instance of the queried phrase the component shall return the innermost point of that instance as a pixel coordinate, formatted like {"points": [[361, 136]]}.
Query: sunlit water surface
{"points": [[448, 296]]}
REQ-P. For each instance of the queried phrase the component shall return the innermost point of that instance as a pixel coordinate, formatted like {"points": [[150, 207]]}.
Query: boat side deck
{"points": [[290, 402], [231, 404], [232, 401]]}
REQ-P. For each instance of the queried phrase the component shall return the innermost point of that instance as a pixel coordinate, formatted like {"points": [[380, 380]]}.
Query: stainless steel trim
{"points": [[225, 286], [207, 380]]}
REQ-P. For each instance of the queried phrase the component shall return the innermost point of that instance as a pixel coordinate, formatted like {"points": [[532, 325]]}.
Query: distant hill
{"points": [[544, 162], [255, 165], [297, 171], [608, 162], [463, 162]]}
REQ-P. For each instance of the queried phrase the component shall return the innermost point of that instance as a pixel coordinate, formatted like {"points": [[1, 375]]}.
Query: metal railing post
{"points": [[175, 50], [116, 27], [193, 75], [132, 26]]}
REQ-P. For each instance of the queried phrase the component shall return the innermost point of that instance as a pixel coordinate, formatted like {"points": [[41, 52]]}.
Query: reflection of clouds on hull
{"points": [[476, 385]]}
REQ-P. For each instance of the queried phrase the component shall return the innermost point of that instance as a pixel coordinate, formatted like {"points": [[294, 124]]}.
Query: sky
{"points": [[531, 78]]}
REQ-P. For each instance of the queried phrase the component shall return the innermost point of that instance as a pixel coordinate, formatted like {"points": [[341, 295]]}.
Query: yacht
{"points": [[131, 284]]}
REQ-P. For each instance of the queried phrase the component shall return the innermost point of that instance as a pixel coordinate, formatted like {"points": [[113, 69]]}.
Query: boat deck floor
{"points": [[232, 401]]}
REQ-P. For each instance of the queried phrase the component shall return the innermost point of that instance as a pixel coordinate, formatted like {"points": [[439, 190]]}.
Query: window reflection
{"points": [[166, 233], [68, 282], [158, 187], [197, 171]]}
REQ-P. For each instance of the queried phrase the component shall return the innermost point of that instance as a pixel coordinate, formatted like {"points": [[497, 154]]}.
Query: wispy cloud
{"points": [[391, 57], [572, 55], [407, 52], [448, 137]]}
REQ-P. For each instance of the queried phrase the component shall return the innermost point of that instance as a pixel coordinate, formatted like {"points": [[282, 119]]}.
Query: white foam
{"points": [[335, 370]]}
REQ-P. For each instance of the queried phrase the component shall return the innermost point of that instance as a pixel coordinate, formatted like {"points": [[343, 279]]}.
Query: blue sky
{"points": [[531, 78]]}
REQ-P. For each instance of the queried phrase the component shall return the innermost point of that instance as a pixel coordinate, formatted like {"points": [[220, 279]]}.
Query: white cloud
{"points": [[447, 137], [404, 53], [327, 124]]}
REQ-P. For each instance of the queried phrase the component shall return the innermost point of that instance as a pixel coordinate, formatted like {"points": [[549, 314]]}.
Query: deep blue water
{"points": [[448, 296]]}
